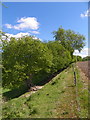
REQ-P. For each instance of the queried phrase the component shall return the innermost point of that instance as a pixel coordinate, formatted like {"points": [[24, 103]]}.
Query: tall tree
{"points": [[61, 57], [22, 59], [69, 39]]}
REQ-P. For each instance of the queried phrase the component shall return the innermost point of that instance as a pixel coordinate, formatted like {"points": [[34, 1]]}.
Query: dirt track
{"points": [[85, 67]]}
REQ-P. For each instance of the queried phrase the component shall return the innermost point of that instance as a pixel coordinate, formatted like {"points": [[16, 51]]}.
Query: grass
{"points": [[11, 94], [57, 99], [82, 94]]}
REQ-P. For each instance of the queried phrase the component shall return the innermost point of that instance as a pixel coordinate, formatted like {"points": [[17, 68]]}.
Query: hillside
{"points": [[59, 98]]}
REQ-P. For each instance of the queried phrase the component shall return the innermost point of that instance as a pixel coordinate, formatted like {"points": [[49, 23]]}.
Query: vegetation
{"points": [[69, 39], [27, 61], [57, 99], [86, 58], [82, 94], [61, 57], [23, 59], [77, 58]]}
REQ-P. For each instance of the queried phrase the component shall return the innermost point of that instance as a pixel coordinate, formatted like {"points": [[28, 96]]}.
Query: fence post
{"points": [[74, 73], [75, 78]]}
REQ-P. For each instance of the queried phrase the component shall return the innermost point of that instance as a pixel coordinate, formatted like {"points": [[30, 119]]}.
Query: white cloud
{"points": [[25, 23], [84, 52], [8, 26], [36, 38], [35, 32], [18, 35], [85, 14]]}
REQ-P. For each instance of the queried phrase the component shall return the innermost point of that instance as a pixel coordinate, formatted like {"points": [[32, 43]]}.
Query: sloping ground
{"points": [[82, 93], [83, 86], [57, 99], [85, 67]]}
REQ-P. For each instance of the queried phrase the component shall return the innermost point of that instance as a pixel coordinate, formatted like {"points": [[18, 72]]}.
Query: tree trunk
{"points": [[29, 81]]}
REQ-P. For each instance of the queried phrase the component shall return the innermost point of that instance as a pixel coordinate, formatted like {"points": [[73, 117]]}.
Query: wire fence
{"points": [[76, 87]]}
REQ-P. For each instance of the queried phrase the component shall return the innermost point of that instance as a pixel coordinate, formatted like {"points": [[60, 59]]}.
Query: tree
{"points": [[87, 58], [23, 59], [69, 39], [77, 58], [61, 57]]}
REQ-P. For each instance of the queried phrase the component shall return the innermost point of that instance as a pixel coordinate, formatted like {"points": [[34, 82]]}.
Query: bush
{"points": [[23, 59], [29, 61], [76, 58], [61, 57]]}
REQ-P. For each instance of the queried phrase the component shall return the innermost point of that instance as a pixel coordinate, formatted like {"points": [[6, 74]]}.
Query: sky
{"points": [[42, 18]]}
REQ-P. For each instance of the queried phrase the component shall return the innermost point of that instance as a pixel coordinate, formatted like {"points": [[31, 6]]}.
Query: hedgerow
{"points": [[30, 61]]}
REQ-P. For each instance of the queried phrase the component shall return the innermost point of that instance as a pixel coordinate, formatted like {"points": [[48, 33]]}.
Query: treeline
{"points": [[30, 61], [79, 58], [87, 58]]}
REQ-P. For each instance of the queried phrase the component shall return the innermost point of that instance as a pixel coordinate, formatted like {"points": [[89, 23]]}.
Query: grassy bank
{"points": [[57, 99], [82, 93]]}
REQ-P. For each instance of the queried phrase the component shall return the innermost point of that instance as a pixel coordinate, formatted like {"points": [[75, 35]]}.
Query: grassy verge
{"points": [[82, 93], [57, 99], [8, 94]]}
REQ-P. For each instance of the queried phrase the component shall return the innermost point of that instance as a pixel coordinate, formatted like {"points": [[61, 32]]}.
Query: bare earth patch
{"points": [[32, 90], [85, 67]]}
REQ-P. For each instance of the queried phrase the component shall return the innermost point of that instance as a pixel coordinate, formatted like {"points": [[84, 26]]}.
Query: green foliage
{"points": [[69, 39], [87, 58], [61, 57], [26, 60], [24, 57], [77, 58]]}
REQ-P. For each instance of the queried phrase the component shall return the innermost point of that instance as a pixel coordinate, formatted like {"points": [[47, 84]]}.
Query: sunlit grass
{"points": [[57, 99]]}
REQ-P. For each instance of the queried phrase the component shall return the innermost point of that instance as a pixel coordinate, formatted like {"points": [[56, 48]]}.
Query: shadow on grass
{"points": [[50, 77], [14, 93], [19, 91]]}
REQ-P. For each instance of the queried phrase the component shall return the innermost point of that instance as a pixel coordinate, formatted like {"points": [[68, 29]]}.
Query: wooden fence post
{"points": [[75, 78], [74, 73]]}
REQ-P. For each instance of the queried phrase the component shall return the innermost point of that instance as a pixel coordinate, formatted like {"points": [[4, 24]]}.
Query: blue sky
{"points": [[45, 17]]}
